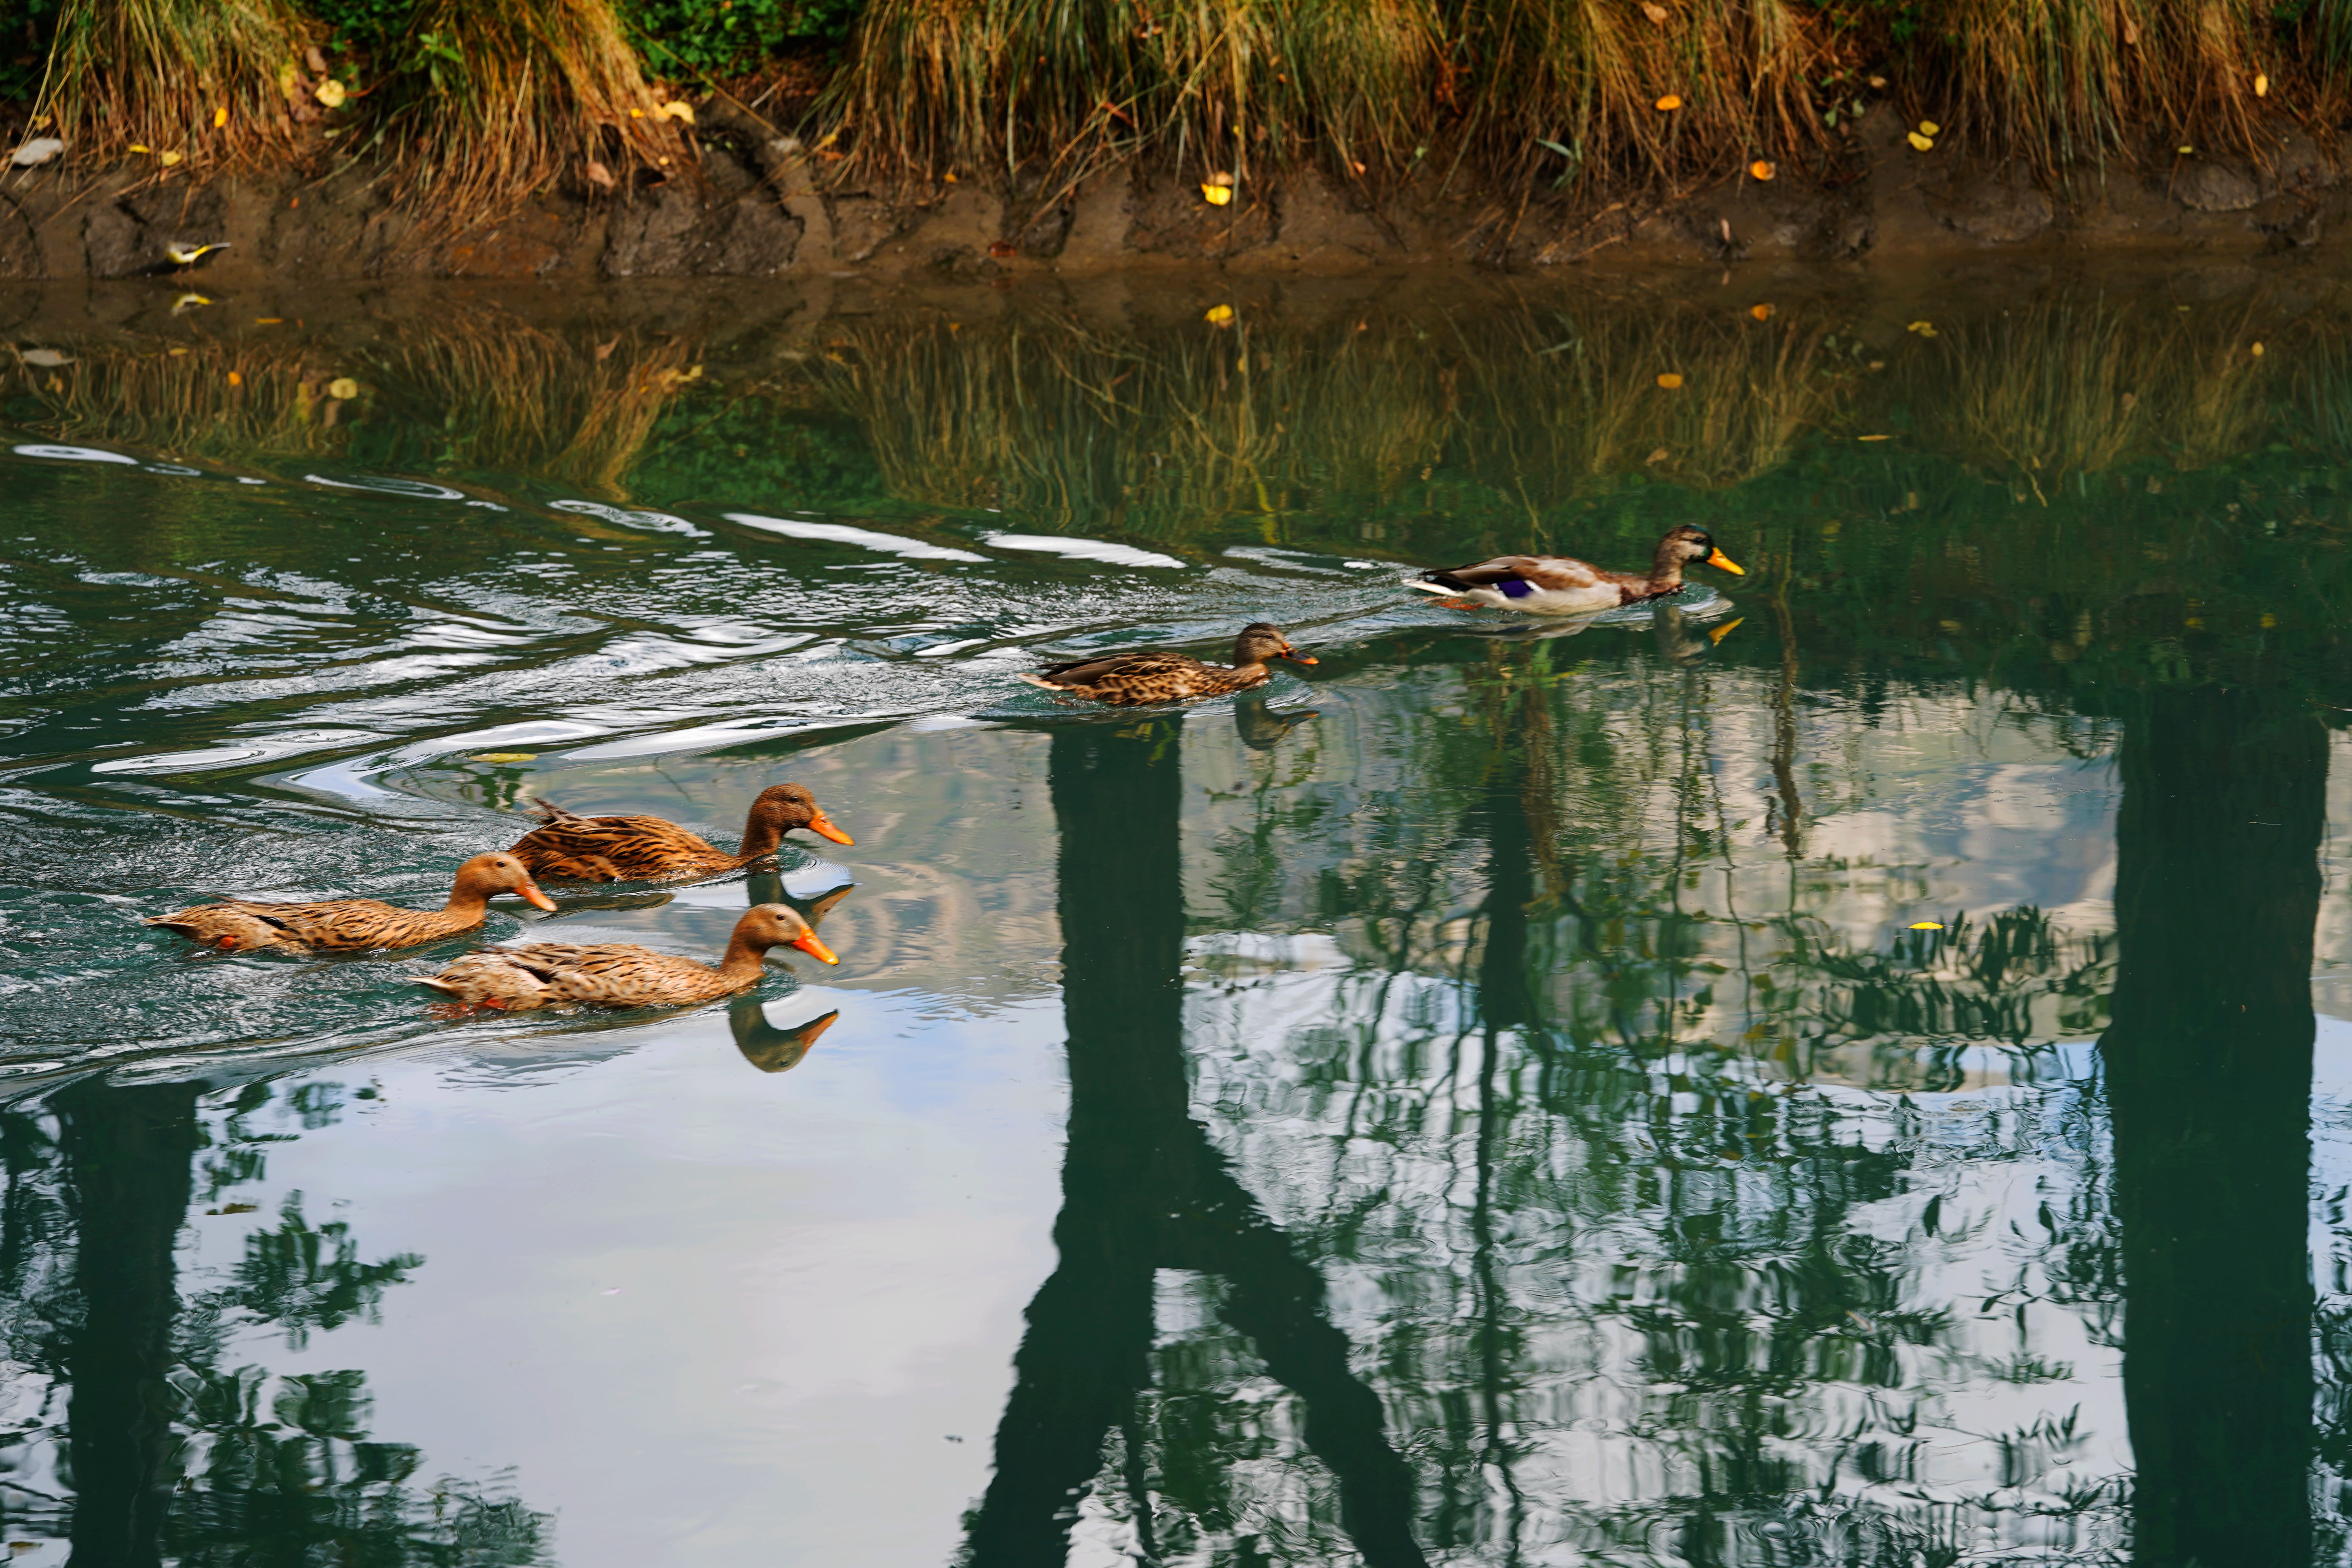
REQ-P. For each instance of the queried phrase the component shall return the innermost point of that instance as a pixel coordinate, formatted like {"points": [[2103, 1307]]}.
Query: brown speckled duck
{"points": [[622, 975], [571, 847], [1563, 586], [1158, 674], [355, 925]]}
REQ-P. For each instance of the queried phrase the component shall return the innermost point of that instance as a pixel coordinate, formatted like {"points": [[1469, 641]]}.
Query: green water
{"points": [[1483, 1102]]}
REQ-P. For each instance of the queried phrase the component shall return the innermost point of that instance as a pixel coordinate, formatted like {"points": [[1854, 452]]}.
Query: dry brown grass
{"points": [[158, 75]]}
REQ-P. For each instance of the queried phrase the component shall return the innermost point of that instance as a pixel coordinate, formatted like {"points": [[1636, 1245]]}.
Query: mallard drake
{"points": [[1161, 674], [1561, 586], [622, 975], [571, 847], [353, 925]]}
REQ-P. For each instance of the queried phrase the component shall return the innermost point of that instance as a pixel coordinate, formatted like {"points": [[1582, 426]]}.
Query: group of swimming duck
{"points": [[569, 848]]}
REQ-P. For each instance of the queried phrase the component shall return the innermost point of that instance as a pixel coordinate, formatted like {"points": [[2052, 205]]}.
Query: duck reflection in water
{"points": [[764, 1046], [1262, 726]]}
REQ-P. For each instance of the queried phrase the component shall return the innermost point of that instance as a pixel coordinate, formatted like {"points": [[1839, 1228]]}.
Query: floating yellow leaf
{"points": [[1761, 312], [220, 118], [1926, 925], [1761, 170], [1929, 128], [2262, 86], [342, 389], [1669, 103], [505, 757], [1920, 141], [1669, 380], [1219, 315], [331, 92], [1216, 195], [679, 109], [169, 158]]}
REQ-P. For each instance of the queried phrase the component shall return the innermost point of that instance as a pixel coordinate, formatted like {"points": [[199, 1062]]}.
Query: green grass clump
{"points": [[932, 85], [700, 37], [205, 82], [492, 101]]}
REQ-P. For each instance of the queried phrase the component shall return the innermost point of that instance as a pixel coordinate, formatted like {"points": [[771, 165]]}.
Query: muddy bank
{"points": [[760, 207]]}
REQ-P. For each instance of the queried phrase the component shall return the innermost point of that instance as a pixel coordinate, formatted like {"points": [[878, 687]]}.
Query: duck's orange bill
{"points": [[1723, 563], [531, 895], [1299, 658], [823, 826], [808, 944]]}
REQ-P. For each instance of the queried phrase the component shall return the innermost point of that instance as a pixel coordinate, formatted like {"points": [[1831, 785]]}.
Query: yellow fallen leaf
{"points": [[2189, 152], [2258, 351], [342, 389], [636, 114], [1216, 195], [1761, 170], [1929, 128], [1219, 315], [1874, 437], [1660, 455], [1926, 925], [1655, 12], [1670, 380], [1669, 103], [169, 158], [235, 379], [331, 92], [2262, 86], [220, 118], [1920, 141], [505, 757], [138, 147], [269, 320], [678, 110], [1761, 312]]}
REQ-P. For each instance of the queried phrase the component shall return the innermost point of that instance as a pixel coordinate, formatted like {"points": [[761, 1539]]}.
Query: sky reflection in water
{"points": [[1485, 1106]]}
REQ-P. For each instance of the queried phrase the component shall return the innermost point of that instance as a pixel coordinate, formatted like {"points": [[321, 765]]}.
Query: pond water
{"points": [[1845, 1069]]}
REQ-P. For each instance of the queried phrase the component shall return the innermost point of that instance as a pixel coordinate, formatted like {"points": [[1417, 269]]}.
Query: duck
{"points": [[575, 848], [1163, 675], [355, 925], [620, 973], [1563, 586]]}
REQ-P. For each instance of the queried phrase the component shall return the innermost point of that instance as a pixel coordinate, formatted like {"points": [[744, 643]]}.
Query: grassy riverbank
{"points": [[470, 104]]}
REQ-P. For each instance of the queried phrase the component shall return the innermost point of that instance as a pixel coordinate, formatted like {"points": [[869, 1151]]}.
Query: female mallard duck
{"points": [[620, 974], [1559, 585], [353, 925], [1158, 674], [577, 849]]}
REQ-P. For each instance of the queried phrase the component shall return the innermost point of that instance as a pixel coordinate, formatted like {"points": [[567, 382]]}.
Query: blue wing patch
{"points": [[1515, 587]]}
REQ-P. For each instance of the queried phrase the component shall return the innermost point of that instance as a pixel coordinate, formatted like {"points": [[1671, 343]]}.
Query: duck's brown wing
{"points": [[351, 925], [612, 848], [1555, 573], [241, 927], [617, 975], [1125, 666]]}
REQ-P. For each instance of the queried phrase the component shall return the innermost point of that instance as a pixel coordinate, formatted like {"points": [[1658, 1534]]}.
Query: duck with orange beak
{"points": [[1563, 586], [1163, 675], [576, 848], [622, 975]]}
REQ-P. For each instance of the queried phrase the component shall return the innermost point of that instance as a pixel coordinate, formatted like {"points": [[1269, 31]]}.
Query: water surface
{"points": [[1844, 1068]]}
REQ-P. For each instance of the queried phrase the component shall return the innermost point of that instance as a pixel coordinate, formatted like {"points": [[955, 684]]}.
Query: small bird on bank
{"points": [[183, 252], [622, 975], [1563, 586], [1163, 675]]}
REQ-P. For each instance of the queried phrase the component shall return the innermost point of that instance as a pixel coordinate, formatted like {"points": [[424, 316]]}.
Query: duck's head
{"points": [[1260, 641], [500, 873], [1686, 544], [786, 806], [764, 926]]}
